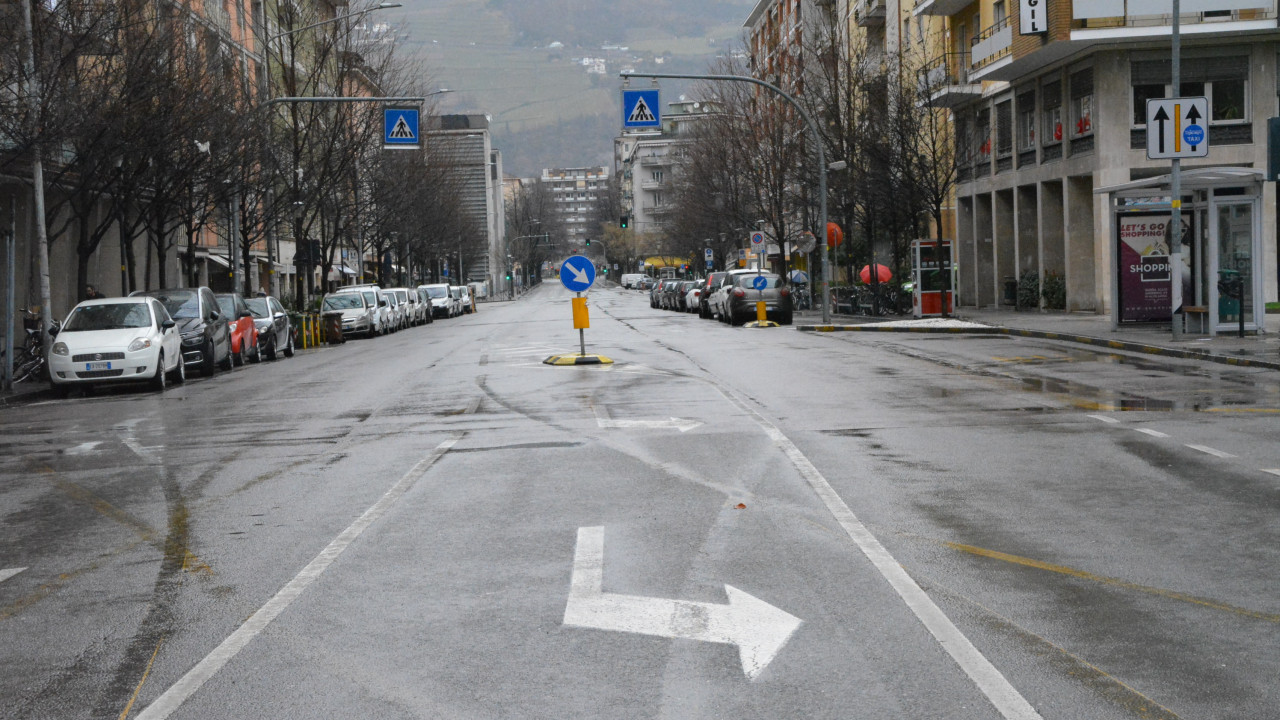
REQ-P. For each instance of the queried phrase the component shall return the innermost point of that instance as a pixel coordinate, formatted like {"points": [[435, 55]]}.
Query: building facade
{"points": [[575, 193], [465, 143], [1050, 112]]}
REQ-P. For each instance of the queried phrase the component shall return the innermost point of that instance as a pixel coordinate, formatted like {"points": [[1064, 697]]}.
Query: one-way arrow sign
{"points": [[759, 629], [1174, 129]]}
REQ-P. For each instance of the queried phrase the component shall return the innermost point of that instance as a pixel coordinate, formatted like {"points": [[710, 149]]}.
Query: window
{"points": [[1223, 81], [1226, 101], [1004, 128], [998, 11], [1141, 94], [1051, 102], [1027, 121], [983, 134], [1082, 103]]}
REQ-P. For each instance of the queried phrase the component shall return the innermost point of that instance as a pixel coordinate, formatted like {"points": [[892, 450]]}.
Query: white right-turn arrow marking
{"points": [[579, 275], [759, 629]]}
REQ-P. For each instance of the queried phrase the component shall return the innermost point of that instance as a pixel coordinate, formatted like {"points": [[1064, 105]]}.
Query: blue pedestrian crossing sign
{"points": [[400, 129], [640, 109], [577, 273]]}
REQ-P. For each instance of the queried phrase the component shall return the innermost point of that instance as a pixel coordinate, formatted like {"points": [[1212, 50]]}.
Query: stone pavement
{"points": [[1087, 328]]}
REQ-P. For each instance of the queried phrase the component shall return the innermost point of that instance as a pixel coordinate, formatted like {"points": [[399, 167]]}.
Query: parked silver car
{"points": [[748, 289], [358, 316]]}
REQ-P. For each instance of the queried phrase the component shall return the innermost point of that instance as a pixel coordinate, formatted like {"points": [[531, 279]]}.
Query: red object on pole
{"points": [[883, 274], [835, 235]]}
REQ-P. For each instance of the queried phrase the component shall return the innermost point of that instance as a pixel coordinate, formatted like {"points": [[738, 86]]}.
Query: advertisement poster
{"points": [[1145, 288]]}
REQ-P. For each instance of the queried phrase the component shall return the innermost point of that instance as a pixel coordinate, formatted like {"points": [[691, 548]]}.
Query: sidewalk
{"points": [[1086, 328]]}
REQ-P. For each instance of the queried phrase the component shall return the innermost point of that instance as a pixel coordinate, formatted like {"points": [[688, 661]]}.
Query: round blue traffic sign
{"points": [[760, 282], [1193, 135], [577, 273]]}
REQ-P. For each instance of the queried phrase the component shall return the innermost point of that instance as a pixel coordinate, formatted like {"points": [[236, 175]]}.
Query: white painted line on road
{"points": [[1273, 471], [675, 423], [83, 448], [1210, 451], [759, 629], [1104, 418], [990, 681], [1152, 433], [10, 572], [171, 699]]}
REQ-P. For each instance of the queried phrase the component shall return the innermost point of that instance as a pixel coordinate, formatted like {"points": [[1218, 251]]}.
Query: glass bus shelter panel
{"points": [[1235, 259]]}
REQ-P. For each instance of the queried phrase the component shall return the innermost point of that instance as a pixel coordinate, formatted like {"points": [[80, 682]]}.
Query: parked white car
{"points": [[372, 295], [468, 303], [691, 297], [455, 293], [441, 300], [408, 300], [116, 340], [358, 316], [396, 318]]}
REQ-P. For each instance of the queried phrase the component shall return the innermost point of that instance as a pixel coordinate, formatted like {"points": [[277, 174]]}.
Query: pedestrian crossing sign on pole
{"points": [[400, 129], [641, 109]]}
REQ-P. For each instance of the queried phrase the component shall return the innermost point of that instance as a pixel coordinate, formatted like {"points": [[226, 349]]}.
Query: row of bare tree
{"points": [[155, 121], [751, 165]]}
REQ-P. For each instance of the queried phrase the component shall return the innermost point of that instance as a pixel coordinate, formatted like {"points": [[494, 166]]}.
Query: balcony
{"points": [[991, 47], [653, 185], [657, 210], [654, 160], [869, 12], [941, 8], [1137, 19], [944, 81]]}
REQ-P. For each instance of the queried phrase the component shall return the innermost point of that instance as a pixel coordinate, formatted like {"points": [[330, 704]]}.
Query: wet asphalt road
{"points": [[964, 527]]}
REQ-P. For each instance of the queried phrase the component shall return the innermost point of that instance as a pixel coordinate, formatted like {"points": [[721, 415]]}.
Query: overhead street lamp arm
{"points": [[822, 163], [344, 99], [381, 6]]}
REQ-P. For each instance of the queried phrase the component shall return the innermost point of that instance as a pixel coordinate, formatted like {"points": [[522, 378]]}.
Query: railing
{"points": [[654, 160], [869, 12], [1095, 14], [947, 69], [992, 44]]}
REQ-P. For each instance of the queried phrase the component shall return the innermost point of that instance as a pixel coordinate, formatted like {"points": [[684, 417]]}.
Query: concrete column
{"points": [[985, 261], [1082, 250], [1053, 224], [965, 253]]}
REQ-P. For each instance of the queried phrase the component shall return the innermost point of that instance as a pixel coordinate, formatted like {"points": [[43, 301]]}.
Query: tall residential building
{"points": [[1050, 117], [574, 193], [465, 141], [644, 162]]}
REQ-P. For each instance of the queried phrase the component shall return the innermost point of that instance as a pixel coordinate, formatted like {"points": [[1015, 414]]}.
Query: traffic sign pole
{"points": [[1175, 188]]}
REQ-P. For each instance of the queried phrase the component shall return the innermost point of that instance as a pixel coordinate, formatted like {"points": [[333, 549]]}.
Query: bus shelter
{"points": [[1221, 246]]}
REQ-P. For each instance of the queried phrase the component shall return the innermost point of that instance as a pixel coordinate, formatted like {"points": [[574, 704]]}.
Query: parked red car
{"points": [[244, 336]]}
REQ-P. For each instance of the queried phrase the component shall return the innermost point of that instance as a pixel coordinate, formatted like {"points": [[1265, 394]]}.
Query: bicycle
{"points": [[29, 360]]}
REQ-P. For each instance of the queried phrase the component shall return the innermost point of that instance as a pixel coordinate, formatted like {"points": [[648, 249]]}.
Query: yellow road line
{"points": [[1114, 582], [125, 713]]}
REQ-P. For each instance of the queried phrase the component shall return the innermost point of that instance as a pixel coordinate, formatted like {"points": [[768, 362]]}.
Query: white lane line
{"points": [[1273, 471], [171, 699], [1210, 451], [9, 572], [1104, 418], [990, 681], [1152, 433]]}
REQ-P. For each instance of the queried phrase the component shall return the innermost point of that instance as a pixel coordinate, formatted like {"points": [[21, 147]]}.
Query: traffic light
{"points": [[622, 222], [588, 242]]}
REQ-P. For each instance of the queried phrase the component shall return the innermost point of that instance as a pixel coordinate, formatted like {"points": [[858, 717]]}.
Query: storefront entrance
{"points": [[1221, 247]]}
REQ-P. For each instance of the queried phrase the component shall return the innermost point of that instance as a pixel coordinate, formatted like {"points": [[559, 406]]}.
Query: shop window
{"points": [[1026, 122], [1223, 81], [1004, 128]]}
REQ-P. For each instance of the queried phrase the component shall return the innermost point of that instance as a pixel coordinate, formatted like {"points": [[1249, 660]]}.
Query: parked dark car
{"points": [[709, 285], [205, 331], [275, 335], [749, 289], [244, 333]]}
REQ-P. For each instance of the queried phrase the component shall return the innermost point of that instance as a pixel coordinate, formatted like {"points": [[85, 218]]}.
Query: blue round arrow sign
{"points": [[760, 282], [577, 273]]}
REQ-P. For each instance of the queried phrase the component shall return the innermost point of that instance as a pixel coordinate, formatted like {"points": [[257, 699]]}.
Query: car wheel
{"points": [[179, 375], [238, 358], [228, 362], [784, 320], [206, 367], [161, 377], [288, 348], [271, 347], [256, 357]]}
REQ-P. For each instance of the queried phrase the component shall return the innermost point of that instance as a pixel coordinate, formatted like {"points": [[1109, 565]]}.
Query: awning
{"points": [[344, 270], [219, 260], [1194, 179]]}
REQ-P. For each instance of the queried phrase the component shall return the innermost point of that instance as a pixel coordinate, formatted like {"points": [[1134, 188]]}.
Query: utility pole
{"points": [[33, 91], [1175, 193]]}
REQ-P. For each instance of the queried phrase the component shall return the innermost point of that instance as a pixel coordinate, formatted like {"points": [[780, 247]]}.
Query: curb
{"points": [[1046, 335], [22, 398]]}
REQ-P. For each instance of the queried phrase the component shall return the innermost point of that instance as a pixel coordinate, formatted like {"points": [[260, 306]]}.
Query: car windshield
{"points": [[749, 281], [180, 303], [116, 316], [227, 305], [258, 306], [344, 301], [437, 292]]}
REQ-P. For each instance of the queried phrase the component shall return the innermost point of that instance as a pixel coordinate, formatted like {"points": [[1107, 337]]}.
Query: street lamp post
{"points": [[822, 164]]}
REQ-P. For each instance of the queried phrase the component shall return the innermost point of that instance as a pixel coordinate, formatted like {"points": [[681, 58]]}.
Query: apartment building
{"points": [[467, 145], [1051, 131], [574, 194], [644, 163]]}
